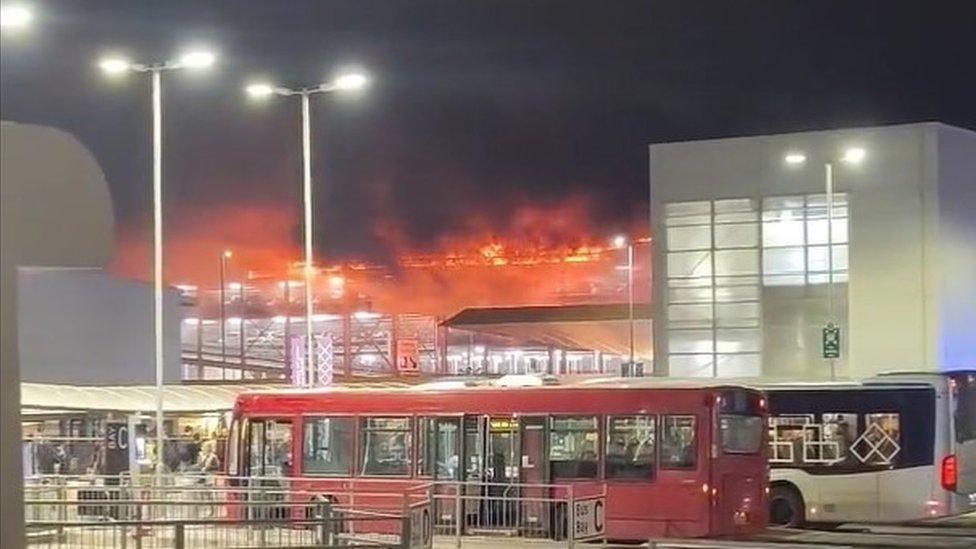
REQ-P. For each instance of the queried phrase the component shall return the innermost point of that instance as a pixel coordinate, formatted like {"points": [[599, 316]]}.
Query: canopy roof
{"points": [[52, 398], [602, 327]]}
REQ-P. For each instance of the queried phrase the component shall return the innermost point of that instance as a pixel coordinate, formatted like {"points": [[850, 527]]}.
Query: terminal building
{"points": [[748, 271]]}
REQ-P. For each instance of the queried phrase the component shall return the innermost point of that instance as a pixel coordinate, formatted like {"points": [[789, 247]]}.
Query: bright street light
{"points": [[115, 66], [15, 17], [197, 59], [259, 90], [795, 158], [263, 90], [854, 155], [619, 241], [350, 82]]}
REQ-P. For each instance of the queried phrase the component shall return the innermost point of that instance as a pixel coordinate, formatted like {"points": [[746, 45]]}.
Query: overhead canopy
{"points": [[603, 327], [50, 398]]}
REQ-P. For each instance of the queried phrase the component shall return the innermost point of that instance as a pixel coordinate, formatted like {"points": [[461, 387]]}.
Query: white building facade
{"points": [[750, 265]]}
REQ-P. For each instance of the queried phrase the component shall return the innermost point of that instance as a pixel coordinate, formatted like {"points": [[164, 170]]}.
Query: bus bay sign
{"points": [[588, 518]]}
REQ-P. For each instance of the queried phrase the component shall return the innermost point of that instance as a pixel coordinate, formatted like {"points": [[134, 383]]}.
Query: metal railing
{"points": [[192, 511], [213, 511]]}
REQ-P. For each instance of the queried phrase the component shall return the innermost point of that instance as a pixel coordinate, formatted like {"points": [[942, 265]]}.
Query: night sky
{"points": [[476, 107]]}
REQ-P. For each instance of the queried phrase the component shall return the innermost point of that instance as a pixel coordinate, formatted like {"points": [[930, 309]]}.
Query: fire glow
{"points": [[545, 255]]}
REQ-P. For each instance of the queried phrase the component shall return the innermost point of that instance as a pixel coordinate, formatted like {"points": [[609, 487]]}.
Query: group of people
{"points": [[192, 452]]}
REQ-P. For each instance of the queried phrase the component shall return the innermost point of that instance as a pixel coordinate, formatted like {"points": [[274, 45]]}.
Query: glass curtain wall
{"points": [[734, 265]]}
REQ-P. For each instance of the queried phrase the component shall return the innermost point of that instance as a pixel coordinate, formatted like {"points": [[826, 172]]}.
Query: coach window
{"points": [[630, 447], [573, 447], [678, 442], [328, 445], [385, 446], [880, 442]]}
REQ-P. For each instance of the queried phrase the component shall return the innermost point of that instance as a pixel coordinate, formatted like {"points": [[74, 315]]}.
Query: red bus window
{"points": [[328, 446], [630, 447], [385, 446], [438, 441], [573, 447], [679, 442], [740, 434]]}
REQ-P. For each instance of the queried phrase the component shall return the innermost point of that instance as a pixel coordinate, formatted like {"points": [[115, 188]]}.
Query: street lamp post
{"points": [[348, 82], [853, 156], [619, 242], [224, 256], [116, 66]]}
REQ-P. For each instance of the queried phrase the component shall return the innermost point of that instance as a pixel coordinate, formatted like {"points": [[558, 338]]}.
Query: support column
{"points": [[347, 358], [394, 336]]}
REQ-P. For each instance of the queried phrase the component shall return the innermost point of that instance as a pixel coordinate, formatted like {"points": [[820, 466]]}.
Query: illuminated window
{"points": [[385, 446], [713, 288]]}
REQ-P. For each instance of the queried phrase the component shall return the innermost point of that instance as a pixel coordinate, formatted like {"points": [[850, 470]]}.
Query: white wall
{"points": [[82, 326], [910, 305], [955, 249]]}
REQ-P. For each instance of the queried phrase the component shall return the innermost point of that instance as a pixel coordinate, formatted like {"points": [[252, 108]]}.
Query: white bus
{"points": [[893, 448]]}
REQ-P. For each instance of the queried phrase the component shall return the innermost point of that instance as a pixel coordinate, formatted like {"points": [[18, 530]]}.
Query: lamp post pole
{"points": [[157, 117], [309, 266], [116, 66], [630, 298], [343, 83], [223, 314], [829, 192]]}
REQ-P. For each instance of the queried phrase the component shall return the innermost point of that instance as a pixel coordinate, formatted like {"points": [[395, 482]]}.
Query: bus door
{"points": [[268, 463], [502, 456], [472, 470], [533, 471]]}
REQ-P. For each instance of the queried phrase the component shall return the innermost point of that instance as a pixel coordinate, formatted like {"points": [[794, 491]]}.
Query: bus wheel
{"points": [[786, 507]]}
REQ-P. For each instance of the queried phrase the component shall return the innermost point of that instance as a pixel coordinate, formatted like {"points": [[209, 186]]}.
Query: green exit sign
{"points": [[831, 341]]}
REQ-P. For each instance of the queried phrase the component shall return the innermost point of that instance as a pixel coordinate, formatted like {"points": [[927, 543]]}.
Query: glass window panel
{"points": [[741, 365], [817, 258], [738, 340], [630, 447], [678, 442], [820, 200], [690, 365], [687, 208], [786, 231], [784, 280], [573, 445], [741, 434], [690, 295], [690, 341], [737, 262], [689, 238], [737, 293], [817, 231], [328, 446], [689, 264], [730, 281], [881, 439], [690, 312], [734, 205], [689, 283], [773, 203], [783, 261], [737, 218], [731, 311], [744, 235], [386, 446]]}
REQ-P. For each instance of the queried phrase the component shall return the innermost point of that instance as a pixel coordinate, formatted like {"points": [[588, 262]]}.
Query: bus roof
{"points": [[515, 382]]}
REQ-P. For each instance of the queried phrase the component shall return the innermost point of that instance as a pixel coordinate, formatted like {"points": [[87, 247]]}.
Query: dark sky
{"points": [[476, 106]]}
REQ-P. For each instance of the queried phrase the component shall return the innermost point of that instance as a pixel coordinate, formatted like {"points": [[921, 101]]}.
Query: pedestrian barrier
{"points": [[198, 510]]}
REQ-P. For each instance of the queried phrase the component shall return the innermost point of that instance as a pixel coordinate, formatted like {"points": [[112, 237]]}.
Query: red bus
{"points": [[672, 459]]}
